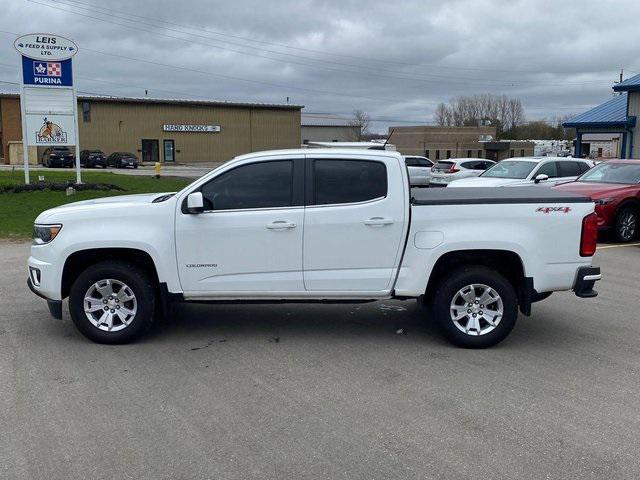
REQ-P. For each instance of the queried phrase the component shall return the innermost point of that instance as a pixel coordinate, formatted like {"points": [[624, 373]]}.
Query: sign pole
{"points": [[77, 133], [25, 147], [46, 88]]}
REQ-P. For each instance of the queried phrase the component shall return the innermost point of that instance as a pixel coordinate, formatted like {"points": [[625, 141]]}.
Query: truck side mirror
{"points": [[195, 202], [541, 178]]}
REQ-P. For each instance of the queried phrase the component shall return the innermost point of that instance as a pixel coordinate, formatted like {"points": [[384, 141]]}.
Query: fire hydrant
{"points": [[157, 168]]}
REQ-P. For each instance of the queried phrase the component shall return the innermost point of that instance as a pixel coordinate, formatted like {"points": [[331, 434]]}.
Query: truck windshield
{"points": [[510, 169], [624, 173]]}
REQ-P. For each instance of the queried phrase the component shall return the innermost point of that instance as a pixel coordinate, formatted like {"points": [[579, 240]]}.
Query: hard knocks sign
{"points": [[191, 128]]}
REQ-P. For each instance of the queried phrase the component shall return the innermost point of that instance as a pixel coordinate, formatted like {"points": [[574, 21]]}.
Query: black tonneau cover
{"points": [[492, 195]]}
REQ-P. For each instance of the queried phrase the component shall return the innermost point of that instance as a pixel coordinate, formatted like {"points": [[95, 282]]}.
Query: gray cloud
{"points": [[396, 60]]}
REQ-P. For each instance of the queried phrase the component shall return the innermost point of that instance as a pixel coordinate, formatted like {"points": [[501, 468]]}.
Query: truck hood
{"points": [[98, 205], [487, 182]]}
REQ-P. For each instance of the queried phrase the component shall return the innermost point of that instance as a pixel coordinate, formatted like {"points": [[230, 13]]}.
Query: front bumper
{"points": [[55, 306], [585, 280]]}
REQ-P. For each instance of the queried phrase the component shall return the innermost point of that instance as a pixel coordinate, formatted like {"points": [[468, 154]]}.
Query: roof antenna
{"points": [[146, 93], [384, 145]]}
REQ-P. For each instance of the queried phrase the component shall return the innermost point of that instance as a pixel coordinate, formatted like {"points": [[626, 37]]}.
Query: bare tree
{"points": [[503, 112], [442, 116], [361, 120]]}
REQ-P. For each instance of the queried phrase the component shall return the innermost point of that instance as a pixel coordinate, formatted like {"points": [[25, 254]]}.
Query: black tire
{"points": [[448, 290], [135, 166], [136, 279], [626, 228]]}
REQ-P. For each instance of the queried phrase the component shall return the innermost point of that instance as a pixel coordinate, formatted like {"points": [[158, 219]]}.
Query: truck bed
{"points": [[492, 195]]}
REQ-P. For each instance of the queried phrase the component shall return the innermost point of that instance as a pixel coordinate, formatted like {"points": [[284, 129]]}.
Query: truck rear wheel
{"points": [[475, 307], [112, 302]]}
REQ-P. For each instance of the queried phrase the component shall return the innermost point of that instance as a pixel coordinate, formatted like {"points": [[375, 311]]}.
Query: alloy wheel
{"points": [[627, 225], [110, 305], [476, 309]]}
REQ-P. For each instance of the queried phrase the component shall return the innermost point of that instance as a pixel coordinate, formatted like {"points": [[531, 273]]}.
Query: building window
{"points": [[426, 153], [448, 153], [86, 112], [468, 153], [479, 153], [437, 154], [305, 141], [334, 140], [522, 152], [512, 153]]}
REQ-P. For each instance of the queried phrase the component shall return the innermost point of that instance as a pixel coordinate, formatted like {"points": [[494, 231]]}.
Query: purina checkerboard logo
{"points": [[51, 71]]}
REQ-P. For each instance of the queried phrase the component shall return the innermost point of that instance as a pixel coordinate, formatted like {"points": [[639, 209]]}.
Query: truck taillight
{"points": [[589, 236], [454, 168]]}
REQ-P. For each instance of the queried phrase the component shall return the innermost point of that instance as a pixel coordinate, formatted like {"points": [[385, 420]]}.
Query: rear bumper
{"points": [[585, 280]]}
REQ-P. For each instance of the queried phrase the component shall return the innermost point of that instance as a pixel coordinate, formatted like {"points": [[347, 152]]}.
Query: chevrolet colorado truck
{"points": [[334, 225]]}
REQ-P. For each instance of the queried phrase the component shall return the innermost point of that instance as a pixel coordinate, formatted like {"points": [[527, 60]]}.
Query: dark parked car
{"points": [[122, 160], [58, 157], [93, 159]]}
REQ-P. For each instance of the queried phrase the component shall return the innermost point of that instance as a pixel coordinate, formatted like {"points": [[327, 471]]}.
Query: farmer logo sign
{"points": [[50, 133], [52, 129]]}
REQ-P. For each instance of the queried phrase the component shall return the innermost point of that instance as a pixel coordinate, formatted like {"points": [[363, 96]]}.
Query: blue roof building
{"points": [[617, 115]]}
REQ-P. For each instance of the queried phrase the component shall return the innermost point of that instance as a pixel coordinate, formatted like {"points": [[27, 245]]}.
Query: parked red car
{"points": [[614, 186]]}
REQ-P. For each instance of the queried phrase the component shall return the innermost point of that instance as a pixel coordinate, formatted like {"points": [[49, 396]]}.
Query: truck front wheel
{"points": [[112, 302], [475, 307]]}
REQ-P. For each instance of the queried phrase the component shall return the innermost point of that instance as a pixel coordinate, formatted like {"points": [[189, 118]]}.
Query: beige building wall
{"points": [[121, 125], [440, 142], [319, 133], [118, 126]]}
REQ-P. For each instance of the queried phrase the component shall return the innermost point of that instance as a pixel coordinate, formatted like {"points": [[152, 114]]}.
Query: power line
{"points": [[367, 70], [282, 45]]}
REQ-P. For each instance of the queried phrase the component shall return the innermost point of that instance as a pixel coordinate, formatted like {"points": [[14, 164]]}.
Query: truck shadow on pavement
{"points": [[372, 322]]}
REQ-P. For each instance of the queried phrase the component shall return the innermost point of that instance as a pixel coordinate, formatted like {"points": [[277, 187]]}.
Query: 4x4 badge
{"points": [[553, 209]]}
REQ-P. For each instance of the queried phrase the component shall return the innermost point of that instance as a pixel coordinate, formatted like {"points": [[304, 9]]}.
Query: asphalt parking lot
{"points": [[294, 391]]}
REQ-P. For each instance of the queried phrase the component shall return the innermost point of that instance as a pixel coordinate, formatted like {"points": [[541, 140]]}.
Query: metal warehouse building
{"points": [[167, 130], [617, 116]]}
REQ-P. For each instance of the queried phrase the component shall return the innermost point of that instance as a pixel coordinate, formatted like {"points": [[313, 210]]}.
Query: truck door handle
{"points": [[375, 221], [280, 225]]}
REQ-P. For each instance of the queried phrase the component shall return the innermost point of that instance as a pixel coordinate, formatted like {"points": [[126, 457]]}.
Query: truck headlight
{"points": [[45, 233]]}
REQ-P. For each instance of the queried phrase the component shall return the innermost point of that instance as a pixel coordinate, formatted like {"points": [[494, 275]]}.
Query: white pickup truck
{"points": [[334, 225]]}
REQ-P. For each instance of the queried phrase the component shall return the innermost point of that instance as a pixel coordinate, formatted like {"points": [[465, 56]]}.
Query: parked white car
{"points": [[547, 171], [419, 170], [325, 225], [446, 171]]}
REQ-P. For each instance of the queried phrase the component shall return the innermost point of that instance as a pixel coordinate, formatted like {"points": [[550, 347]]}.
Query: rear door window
{"points": [[568, 169], [583, 167], [417, 162], [473, 165], [348, 181]]}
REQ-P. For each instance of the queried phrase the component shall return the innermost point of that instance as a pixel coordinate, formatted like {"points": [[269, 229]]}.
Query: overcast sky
{"points": [[394, 59]]}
